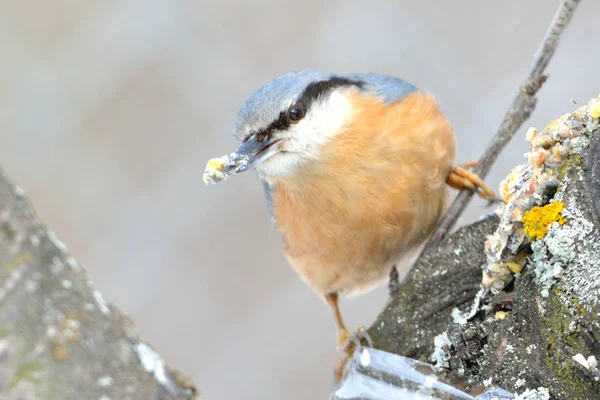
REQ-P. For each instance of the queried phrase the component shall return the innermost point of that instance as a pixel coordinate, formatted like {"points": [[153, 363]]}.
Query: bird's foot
{"points": [[461, 178], [347, 343]]}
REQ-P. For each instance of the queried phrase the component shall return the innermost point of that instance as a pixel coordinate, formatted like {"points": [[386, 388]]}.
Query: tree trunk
{"points": [[526, 335], [58, 338]]}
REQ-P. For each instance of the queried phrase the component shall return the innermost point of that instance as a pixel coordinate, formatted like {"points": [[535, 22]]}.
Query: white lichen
{"points": [[519, 383], [73, 324], [105, 381], [4, 345], [51, 331], [15, 276], [34, 240], [56, 242], [540, 393], [462, 317], [439, 355], [580, 358], [100, 302], [73, 264], [152, 363], [31, 286], [19, 192], [57, 266], [589, 363]]}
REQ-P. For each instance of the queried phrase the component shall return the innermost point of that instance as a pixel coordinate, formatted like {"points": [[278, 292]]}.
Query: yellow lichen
{"points": [[500, 315], [537, 220], [552, 126], [531, 133], [213, 172], [514, 267], [216, 163], [27, 371], [594, 110], [507, 186], [16, 262]]}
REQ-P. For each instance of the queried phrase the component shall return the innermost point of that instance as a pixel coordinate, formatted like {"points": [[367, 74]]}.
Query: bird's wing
{"points": [[389, 88], [269, 196]]}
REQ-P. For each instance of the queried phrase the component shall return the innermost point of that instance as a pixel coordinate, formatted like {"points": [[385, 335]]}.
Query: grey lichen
{"points": [[570, 252], [550, 256], [540, 393]]}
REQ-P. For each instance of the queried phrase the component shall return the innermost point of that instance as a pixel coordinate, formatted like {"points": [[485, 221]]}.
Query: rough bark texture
{"points": [[446, 278], [58, 338], [520, 110], [548, 314]]}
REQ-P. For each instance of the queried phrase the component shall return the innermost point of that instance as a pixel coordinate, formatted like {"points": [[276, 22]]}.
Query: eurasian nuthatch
{"points": [[355, 169]]}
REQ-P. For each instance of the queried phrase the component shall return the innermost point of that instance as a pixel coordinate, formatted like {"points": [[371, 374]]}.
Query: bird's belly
{"points": [[344, 275], [351, 261], [351, 279], [349, 247]]}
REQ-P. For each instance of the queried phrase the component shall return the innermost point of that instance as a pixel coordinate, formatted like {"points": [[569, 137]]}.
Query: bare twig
{"points": [[519, 111]]}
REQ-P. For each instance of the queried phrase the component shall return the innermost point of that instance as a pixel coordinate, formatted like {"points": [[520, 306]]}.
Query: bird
{"points": [[356, 169]]}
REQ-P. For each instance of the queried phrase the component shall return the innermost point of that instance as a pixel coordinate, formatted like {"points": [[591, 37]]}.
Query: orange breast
{"points": [[377, 191]]}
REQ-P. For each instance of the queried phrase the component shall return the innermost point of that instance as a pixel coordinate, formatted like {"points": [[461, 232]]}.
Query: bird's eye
{"points": [[296, 111]]}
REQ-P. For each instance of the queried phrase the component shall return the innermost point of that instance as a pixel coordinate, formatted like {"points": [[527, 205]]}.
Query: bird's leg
{"points": [[347, 342], [342, 332], [461, 178]]}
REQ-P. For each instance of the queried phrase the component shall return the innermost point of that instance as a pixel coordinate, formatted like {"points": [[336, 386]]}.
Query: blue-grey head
{"points": [[285, 123]]}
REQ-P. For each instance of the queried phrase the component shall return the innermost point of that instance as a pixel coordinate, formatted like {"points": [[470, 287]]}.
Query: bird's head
{"points": [[285, 123]]}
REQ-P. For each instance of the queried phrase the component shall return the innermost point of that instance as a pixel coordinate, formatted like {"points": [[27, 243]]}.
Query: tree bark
{"points": [[59, 339], [526, 335]]}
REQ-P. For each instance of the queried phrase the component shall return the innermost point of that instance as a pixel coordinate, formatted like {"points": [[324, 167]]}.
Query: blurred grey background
{"points": [[110, 109]]}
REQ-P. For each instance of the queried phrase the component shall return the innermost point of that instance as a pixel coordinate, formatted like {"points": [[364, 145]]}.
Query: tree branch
{"points": [[519, 112]]}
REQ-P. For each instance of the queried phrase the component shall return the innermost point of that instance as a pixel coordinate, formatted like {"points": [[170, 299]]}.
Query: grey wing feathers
{"points": [[269, 197], [389, 88]]}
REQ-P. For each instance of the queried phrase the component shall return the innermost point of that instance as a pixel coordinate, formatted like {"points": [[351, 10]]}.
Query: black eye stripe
{"points": [[318, 90], [312, 93], [280, 124]]}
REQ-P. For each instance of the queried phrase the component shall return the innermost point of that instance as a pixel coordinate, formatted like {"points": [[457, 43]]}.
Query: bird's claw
{"points": [[462, 178], [355, 339], [348, 342]]}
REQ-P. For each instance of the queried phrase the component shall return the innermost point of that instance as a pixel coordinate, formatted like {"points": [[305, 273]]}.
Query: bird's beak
{"points": [[250, 153]]}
